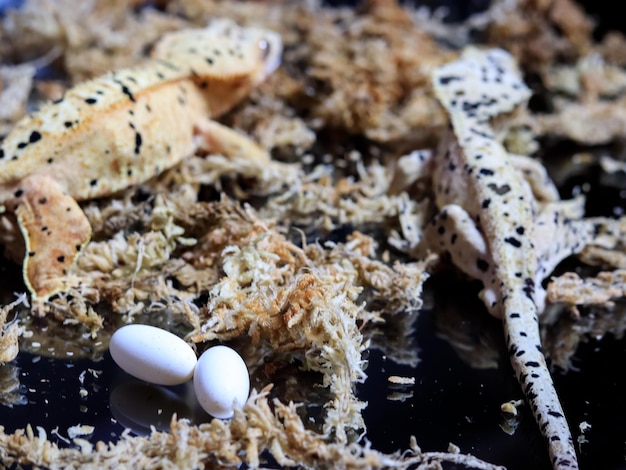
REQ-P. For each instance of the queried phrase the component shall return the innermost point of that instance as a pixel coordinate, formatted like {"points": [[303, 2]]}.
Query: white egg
{"points": [[153, 354], [220, 381]]}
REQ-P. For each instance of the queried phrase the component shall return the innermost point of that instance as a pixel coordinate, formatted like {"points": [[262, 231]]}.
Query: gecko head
{"points": [[226, 60], [261, 47], [222, 50]]}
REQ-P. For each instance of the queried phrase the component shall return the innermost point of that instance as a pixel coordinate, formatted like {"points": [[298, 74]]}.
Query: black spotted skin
{"points": [[488, 223]]}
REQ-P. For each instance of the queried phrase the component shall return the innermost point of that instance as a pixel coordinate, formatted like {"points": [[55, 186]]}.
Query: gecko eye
{"points": [[270, 49], [265, 48]]}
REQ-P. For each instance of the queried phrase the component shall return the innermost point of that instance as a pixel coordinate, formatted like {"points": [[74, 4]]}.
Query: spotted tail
{"points": [[524, 345]]}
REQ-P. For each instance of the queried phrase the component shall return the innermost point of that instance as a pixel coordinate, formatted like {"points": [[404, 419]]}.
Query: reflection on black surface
{"points": [[454, 402], [58, 394], [11, 391], [139, 406]]}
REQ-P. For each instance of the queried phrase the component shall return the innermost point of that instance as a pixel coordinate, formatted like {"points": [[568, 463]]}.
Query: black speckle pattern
{"points": [[513, 242], [482, 265], [138, 142], [126, 91], [34, 137], [474, 89]]}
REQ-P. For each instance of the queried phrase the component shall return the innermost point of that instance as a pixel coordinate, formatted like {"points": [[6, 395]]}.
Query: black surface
{"points": [[455, 403], [51, 387]]}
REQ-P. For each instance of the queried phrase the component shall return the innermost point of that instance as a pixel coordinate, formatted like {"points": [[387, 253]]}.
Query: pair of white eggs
{"points": [[220, 376]]}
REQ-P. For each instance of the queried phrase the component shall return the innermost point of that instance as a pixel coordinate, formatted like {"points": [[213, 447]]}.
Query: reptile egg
{"points": [[221, 380], [152, 354]]}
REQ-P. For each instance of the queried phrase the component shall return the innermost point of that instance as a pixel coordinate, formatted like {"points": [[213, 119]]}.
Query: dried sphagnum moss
{"points": [[9, 333], [354, 87], [260, 425]]}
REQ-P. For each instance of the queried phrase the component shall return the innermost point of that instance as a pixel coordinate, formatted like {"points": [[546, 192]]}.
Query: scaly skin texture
{"points": [[498, 226], [122, 129]]}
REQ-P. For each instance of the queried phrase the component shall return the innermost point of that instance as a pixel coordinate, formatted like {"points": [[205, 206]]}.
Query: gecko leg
{"points": [[214, 137], [559, 221], [537, 177], [55, 229], [454, 231], [409, 168]]}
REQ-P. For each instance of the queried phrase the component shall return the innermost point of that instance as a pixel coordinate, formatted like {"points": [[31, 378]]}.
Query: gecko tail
{"points": [[531, 370]]}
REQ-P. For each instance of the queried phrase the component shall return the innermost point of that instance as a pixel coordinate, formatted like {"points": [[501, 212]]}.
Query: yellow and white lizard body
{"points": [[122, 129]]}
